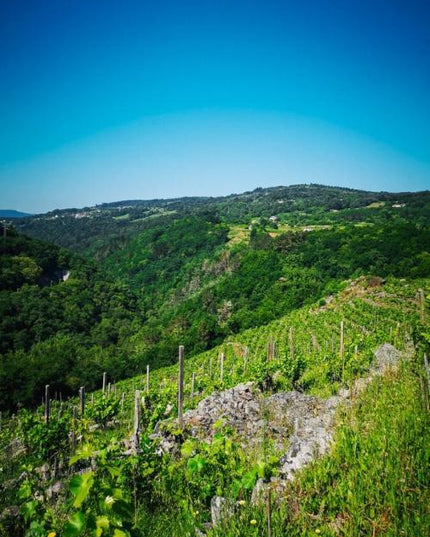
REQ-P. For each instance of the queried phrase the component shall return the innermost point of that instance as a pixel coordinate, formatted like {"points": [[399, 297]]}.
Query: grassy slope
{"points": [[375, 481], [371, 317]]}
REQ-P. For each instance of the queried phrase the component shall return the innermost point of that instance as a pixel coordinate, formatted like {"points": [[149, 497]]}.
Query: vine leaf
{"points": [[80, 486], [75, 526]]}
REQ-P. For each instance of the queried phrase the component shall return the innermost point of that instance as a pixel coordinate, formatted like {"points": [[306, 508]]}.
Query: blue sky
{"points": [[102, 101]]}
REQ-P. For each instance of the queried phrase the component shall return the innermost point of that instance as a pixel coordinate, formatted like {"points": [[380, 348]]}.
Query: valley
{"points": [[284, 297]]}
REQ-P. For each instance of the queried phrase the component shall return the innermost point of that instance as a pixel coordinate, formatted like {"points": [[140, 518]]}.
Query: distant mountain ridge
{"points": [[11, 213]]}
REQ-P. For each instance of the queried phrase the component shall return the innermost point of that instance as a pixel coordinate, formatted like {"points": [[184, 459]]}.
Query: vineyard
{"points": [[91, 465]]}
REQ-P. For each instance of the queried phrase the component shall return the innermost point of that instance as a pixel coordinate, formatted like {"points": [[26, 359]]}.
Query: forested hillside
{"points": [[303, 312], [196, 272], [61, 321], [98, 230]]}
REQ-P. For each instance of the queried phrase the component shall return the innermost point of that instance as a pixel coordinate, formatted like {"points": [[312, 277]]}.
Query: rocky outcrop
{"points": [[300, 425], [238, 407], [312, 420]]}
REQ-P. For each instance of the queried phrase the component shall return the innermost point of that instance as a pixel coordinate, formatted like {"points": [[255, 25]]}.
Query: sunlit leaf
{"points": [[75, 526], [80, 486]]}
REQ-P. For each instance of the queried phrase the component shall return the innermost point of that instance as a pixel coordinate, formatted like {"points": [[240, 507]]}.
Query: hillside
{"points": [[191, 279], [303, 311], [60, 320], [103, 228], [375, 474]]}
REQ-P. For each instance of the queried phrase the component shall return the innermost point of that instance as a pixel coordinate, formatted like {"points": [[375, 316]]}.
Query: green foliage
{"points": [[42, 439], [167, 274], [377, 451]]}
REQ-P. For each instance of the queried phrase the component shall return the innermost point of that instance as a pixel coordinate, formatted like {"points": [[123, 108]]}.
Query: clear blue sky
{"points": [[108, 100]]}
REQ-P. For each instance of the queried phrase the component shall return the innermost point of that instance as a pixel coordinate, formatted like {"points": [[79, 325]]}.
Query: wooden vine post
{"points": [[47, 404], [147, 379], [104, 381], [315, 343], [342, 339], [181, 385], [269, 511], [291, 343], [82, 400], [221, 368], [136, 428], [422, 303], [427, 370], [193, 383], [342, 347], [270, 350], [73, 433]]}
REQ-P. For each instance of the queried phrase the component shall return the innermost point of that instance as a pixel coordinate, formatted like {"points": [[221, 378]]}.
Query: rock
{"points": [[15, 449], [221, 510], [94, 427], [55, 490], [238, 408], [10, 484], [386, 356], [300, 425], [310, 425], [168, 410], [43, 471], [12, 511]]}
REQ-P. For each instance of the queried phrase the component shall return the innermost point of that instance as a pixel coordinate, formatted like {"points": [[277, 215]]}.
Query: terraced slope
{"points": [[304, 347], [80, 475]]}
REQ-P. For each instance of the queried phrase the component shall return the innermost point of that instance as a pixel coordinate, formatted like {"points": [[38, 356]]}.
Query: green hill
{"points": [[291, 289], [375, 475], [104, 228]]}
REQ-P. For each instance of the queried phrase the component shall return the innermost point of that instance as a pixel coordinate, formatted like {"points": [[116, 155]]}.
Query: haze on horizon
{"points": [[104, 102]]}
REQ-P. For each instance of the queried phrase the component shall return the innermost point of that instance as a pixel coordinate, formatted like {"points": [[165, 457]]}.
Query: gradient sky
{"points": [[103, 101]]}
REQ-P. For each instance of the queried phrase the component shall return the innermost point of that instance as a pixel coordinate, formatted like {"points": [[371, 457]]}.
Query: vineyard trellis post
{"points": [[82, 400], [342, 347], [422, 303], [245, 357], [193, 380], [147, 378], [181, 385], [291, 343], [73, 431], [221, 368], [269, 511], [47, 404], [136, 429], [427, 370], [270, 350], [104, 381]]}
